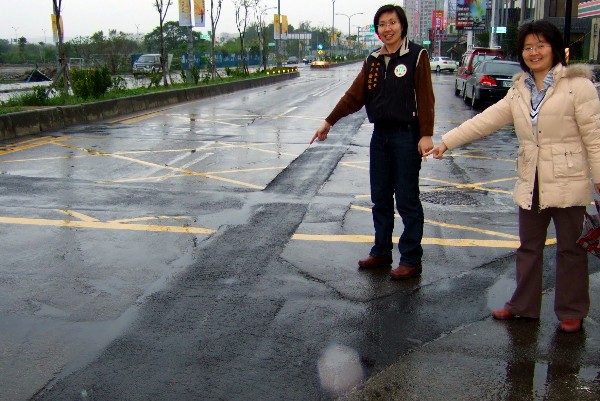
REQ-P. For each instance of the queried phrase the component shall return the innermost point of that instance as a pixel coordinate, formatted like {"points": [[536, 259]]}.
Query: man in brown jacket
{"points": [[395, 87]]}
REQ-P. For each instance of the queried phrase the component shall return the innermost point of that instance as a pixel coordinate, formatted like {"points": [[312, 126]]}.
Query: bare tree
{"points": [[242, 10], [214, 20], [62, 60], [162, 7], [260, 32]]}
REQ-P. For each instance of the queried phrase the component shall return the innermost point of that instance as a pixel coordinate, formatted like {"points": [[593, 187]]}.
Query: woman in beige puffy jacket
{"points": [[556, 114]]}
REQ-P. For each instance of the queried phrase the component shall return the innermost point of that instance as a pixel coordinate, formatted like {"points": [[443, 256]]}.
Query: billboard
{"points": [[185, 13], [588, 9], [470, 14], [437, 19], [199, 13]]}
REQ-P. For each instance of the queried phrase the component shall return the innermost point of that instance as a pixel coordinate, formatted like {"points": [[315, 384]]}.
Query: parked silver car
{"points": [[439, 64], [147, 64]]}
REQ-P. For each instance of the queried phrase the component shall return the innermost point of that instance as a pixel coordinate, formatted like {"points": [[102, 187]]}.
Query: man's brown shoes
{"points": [[402, 272], [375, 261]]}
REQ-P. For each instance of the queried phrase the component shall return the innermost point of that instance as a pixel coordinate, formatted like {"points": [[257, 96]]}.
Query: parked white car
{"points": [[438, 64]]}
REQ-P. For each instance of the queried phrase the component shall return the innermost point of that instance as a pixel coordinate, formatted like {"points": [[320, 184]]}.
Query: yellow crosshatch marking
{"points": [[79, 220], [85, 221], [220, 118], [513, 243]]}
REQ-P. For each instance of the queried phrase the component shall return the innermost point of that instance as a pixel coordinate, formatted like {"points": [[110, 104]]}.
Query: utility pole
{"points": [[332, 27], [278, 41], [493, 25], [567, 33], [190, 48]]}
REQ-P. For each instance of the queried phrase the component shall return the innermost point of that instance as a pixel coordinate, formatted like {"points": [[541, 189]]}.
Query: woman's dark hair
{"points": [[547, 31], [401, 17]]}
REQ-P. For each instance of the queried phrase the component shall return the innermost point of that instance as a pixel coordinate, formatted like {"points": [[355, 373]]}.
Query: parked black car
{"points": [[490, 81]]}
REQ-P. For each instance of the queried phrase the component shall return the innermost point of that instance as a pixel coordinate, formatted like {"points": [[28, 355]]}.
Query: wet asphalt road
{"points": [[206, 252]]}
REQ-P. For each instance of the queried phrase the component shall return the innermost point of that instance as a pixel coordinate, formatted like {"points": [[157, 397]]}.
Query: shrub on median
{"points": [[91, 83]]}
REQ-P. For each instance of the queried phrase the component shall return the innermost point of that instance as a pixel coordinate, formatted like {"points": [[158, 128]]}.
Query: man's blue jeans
{"points": [[395, 163]]}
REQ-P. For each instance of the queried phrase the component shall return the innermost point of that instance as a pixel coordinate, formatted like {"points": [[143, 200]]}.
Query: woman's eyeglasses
{"points": [[383, 25], [538, 48]]}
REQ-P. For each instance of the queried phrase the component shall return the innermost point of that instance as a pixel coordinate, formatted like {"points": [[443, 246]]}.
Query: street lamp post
{"points": [[16, 34], [349, 18], [278, 41], [261, 35], [359, 29], [332, 26]]}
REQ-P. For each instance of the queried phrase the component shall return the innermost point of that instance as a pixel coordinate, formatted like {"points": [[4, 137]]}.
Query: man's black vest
{"points": [[391, 98]]}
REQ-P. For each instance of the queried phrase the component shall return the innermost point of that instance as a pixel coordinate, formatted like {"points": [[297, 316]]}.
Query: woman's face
{"points": [[389, 29], [537, 53]]}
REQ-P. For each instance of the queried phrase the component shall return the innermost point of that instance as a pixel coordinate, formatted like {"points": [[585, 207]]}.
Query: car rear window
{"points": [[497, 68]]}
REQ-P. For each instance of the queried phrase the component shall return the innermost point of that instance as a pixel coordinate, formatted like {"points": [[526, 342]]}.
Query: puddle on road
{"points": [[500, 292]]}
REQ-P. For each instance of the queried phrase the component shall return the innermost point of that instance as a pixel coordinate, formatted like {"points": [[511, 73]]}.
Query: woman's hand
{"points": [[322, 132], [437, 152], [425, 145]]}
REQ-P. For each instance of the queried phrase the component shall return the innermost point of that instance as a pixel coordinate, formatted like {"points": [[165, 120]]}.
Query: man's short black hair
{"points": [[401, 17]]}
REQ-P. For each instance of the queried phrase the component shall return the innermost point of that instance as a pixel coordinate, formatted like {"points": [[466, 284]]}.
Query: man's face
{"points": [[389, 29]]}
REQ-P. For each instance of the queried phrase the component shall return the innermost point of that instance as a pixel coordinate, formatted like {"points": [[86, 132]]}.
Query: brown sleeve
{"points": [[425, 96], [352, 101]]}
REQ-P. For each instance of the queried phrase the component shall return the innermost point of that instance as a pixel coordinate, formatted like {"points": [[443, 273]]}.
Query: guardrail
{"points": [[14, 125]]}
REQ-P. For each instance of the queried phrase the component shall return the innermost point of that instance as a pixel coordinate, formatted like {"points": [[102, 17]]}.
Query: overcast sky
{"points": [[29, 18]]}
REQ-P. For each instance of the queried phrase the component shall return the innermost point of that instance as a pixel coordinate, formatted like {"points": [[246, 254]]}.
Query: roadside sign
{"points": [[588, 9], [427, 42], [271, 44]]}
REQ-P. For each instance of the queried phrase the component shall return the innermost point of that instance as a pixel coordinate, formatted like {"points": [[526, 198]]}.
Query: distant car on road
{"points": [[319, 64], [490, 81], [439, 64], [147, 64], [292, 60]]}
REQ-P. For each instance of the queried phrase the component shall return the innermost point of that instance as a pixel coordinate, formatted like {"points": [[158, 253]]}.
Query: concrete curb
{"points": [[14, 125]]}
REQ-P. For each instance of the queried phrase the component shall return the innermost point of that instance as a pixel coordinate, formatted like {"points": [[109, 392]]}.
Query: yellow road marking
{"points": [[138, 117], [32, 144], [163, 177], [77, 215], [37, 159], [105, 225], [449, 242], [468, 155], [247, 170], [118, 225], [447, 225], [478, 185], [163, 167], [250, 147], [121, 221]]}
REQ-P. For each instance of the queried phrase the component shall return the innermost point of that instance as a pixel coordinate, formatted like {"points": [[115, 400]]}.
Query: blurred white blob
{"points": [[340, 369]]}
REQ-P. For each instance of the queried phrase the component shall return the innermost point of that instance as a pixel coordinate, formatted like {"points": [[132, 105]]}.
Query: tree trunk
{"points": [[163, 60], [64, 65]]}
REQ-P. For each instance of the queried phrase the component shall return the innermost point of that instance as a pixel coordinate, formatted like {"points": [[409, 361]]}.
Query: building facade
{"points": [[507, 16]]}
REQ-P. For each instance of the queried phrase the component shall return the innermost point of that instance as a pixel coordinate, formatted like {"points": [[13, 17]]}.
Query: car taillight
{"points": [[487, 80], [444, 62]]}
